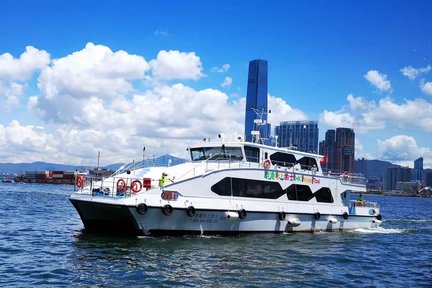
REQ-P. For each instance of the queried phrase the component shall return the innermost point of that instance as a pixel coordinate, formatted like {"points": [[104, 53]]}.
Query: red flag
{"points": [[323, 160]]}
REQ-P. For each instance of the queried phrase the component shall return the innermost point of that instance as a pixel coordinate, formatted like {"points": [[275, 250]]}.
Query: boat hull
{"points": [[127, 220]]}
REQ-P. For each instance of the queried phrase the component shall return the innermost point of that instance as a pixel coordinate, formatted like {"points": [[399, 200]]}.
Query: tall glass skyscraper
{"points": [[300, 134], [418, 169], [256, 100]]}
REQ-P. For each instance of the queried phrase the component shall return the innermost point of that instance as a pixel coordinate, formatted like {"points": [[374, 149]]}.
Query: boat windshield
{"points": [[216, 153]]}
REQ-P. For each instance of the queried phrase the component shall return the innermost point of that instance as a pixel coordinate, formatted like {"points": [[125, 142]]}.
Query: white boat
{"points": [[226, 188]]}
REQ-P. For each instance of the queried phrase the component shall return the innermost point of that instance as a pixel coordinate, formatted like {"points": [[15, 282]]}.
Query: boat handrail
{"points": [[114, 186], [363, 203]]}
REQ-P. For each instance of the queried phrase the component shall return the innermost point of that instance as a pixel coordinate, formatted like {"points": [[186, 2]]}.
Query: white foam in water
{"points": [[380, 230]]}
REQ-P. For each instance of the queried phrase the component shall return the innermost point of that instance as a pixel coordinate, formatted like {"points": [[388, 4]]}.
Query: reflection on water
{"points": [[42, 243]]}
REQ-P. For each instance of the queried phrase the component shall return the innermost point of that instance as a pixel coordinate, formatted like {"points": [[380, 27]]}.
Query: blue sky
{"points": [[81, 76]]}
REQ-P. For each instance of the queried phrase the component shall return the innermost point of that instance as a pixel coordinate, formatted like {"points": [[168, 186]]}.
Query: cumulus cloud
{"points": [[93, 72], [15, 72], [412, 72], [426, 87], [402, 149], [173, 64], [282, 111], [378, 80], [227, 82], [365, 116], [222, 69], [22, 68]]}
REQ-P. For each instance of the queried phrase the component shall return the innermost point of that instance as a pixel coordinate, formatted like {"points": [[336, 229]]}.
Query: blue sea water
{"points": [[42, 244]]}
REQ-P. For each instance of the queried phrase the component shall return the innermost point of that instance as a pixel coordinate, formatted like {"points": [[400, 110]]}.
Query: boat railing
{"points": [[114, 186], [363, 203]]}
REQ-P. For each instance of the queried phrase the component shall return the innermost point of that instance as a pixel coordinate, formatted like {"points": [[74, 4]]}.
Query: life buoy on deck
{"points": [[81, 181], [136, 186], [121, 185], [317, 216], [266, 164]]}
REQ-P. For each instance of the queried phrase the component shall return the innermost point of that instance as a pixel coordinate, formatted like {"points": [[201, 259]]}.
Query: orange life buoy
{"points": [[121, 185], [136, 186], [266, 164]]}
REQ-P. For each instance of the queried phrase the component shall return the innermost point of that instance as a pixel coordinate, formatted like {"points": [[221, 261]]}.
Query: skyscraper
{"points": [[300, 134], [418, 169], [256, 100], [345, 138], [396, 174], [339, 149]]}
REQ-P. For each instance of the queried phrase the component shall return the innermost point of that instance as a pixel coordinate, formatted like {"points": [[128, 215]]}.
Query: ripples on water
{"points": [[41, 244]]}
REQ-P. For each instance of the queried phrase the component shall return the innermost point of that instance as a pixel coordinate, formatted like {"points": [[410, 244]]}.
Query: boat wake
{"points": [[380, 230]]}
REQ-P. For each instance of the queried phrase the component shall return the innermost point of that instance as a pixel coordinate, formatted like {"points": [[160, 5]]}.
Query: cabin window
{"points": [[216, 153], [299, 192], [324, 195], [307, 163], [283, 159], [252, 154], [248, 188]]}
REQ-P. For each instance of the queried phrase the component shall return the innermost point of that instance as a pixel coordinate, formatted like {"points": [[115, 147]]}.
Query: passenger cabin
{"points": [[256, 153]]}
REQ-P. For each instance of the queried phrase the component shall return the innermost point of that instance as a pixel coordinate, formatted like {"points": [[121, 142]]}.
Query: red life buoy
{"points": [[136, 186], [266, 164], [121, 185], [80, 181]]}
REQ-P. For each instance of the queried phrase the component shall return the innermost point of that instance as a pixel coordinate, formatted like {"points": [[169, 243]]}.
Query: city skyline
{"points": [[86, 76]]}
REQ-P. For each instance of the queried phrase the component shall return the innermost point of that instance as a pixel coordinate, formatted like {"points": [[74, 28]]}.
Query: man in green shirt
{"points": [[163, 180]]}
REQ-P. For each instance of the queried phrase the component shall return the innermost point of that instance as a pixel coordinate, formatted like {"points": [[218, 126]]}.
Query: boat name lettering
{"points": [[205, 218], [274, 175]]}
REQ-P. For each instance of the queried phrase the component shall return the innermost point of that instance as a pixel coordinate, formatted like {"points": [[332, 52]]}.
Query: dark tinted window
{"points": [[283, 159], [252, 154], [248, 188], [307, 163], [324, 195], [299, 192]]}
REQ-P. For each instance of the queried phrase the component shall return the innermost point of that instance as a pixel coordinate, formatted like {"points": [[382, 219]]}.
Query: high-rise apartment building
{"points": [[256, 100], [418, 169], [339, 149], [396, 174], [302, 135]]}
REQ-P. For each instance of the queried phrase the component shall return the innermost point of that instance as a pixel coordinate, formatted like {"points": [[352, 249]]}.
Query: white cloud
{"points": [[12, 92], [412, 73], [365, 116], [336, 119], [174, 64], [22, 68], [281, 111], [227, 82], [402, 149], [94, 71], [426, 87], [222, 69], [378, 80]]}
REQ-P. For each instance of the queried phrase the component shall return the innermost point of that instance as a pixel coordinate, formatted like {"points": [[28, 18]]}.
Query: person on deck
{"points": [[164, 180], [360, 198]]}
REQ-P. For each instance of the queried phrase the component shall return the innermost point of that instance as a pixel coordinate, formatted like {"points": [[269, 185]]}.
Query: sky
{"points": [[78, 77]]}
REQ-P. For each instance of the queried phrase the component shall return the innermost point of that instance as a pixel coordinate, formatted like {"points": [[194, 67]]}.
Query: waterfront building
{"points": [[428, 178], [418, 169], [396, 174], [302, 135], [339, 148], [256, 101]]}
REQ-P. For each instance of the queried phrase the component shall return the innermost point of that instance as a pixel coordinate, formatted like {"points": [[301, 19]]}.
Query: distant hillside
{"points": [[21, 168], [378, 168]]}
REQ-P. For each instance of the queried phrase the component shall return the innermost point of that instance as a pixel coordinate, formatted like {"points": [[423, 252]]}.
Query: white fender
{"points": [[231, 215], [332, 220], [294, 221]]}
